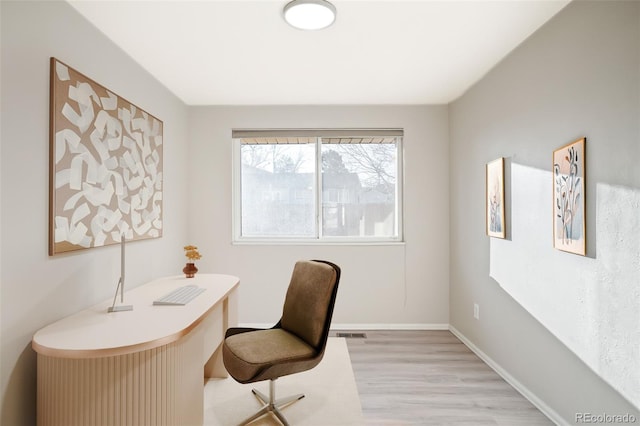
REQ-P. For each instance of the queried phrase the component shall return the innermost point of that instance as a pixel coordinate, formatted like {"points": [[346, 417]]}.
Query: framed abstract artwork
{"points": [[495, 198], [105, 165], [569, 198]]}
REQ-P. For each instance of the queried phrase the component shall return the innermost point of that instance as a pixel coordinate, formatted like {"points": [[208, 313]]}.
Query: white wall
{"points": [[390, 285], [37, 289], [567, 327]]}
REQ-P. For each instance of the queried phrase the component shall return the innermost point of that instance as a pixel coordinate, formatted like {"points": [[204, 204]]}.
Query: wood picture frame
{"points": [[105, 164], [495, 211], [569, 198]]}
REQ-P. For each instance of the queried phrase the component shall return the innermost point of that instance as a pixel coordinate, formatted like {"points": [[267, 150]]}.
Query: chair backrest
{"points": [[308, 306]]}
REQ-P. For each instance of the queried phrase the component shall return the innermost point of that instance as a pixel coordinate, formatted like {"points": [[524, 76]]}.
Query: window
{"points": [[317, 185]]}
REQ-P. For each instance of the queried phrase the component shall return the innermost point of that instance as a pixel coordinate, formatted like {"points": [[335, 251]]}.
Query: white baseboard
{"points": [[346, 326], [540, 404]]}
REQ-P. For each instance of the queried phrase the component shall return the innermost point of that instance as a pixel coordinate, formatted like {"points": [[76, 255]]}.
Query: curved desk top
{"points": [[94, 333]]}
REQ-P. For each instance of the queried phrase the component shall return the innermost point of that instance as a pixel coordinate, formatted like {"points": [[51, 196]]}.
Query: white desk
{"points": [[140, 367]]}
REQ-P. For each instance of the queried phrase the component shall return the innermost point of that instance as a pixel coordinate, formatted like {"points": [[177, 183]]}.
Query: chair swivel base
{"points": [[271, 405]]}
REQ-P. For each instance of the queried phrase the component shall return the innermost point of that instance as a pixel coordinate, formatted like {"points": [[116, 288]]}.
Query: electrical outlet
{"points": [[476, 311]]}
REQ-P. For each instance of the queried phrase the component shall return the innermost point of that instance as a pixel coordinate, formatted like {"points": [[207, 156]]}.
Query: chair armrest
{"points": [[239, 330]]}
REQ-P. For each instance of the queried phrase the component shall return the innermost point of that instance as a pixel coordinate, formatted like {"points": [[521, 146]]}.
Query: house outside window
{"points": [[331, 186]]}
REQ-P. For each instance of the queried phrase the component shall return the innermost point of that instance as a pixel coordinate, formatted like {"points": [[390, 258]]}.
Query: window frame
{"points": [[318, 238]]}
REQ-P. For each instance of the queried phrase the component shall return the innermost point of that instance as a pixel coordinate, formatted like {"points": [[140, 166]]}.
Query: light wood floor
{"points": [[431, 378]]}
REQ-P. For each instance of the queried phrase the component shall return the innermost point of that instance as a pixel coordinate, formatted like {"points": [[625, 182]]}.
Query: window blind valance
{"points": [[302, 136]]}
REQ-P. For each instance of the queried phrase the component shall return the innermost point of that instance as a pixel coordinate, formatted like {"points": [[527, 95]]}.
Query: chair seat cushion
{"points": [[248, 354]]}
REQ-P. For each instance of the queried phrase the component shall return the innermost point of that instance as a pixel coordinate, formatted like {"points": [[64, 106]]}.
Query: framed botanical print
{"points": [[495, 198], [569, 198]]}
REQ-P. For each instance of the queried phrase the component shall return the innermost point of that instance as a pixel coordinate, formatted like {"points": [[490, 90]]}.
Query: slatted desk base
{"points": [[162, 385]]}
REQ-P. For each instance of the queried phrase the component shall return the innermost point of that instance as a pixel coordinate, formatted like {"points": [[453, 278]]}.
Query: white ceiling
{"points": [[377, 52]]}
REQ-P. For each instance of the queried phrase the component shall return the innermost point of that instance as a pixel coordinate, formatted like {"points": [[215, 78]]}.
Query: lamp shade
{"points": [[309, 14]]}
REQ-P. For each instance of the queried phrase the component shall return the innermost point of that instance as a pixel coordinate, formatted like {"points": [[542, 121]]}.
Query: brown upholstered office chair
{"points": [[296, 343]]}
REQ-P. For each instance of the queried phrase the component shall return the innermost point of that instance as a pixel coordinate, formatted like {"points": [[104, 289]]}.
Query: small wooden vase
{"points": [[190, 270]]}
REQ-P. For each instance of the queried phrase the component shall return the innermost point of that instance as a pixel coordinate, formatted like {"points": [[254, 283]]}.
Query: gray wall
{"points": [[402, 285], [566, 327], [37, 289]]}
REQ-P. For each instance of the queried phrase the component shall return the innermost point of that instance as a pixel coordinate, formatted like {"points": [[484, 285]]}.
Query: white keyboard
{"points": [[180, 296]]}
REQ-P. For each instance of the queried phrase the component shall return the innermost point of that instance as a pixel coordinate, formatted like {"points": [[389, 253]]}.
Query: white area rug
{"points": [[331, 396]]}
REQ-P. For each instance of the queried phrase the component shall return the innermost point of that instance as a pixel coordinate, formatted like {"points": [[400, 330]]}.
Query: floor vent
{"points": [[352, 335]]}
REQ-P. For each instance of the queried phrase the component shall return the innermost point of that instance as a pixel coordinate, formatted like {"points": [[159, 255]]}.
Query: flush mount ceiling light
{"points": [[309, 14]]}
